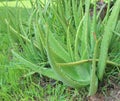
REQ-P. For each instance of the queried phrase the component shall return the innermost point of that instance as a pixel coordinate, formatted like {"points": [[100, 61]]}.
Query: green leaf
{"points": [[107, 38], [74, 76]]}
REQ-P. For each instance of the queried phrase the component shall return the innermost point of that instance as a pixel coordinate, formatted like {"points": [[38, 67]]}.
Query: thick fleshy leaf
{"points": [[107, 39], [73, 75]]}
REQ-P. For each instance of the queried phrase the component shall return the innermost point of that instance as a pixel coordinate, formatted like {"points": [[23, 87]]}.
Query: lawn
{"points": [[26, 60]]}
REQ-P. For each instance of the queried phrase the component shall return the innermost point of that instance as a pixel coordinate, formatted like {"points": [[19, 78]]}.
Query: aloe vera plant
{"points": [[107, 38], [70, 39]]}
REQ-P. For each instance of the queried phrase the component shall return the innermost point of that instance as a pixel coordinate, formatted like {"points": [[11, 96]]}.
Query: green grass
{"points": [[19, 3], [19, 82]]}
